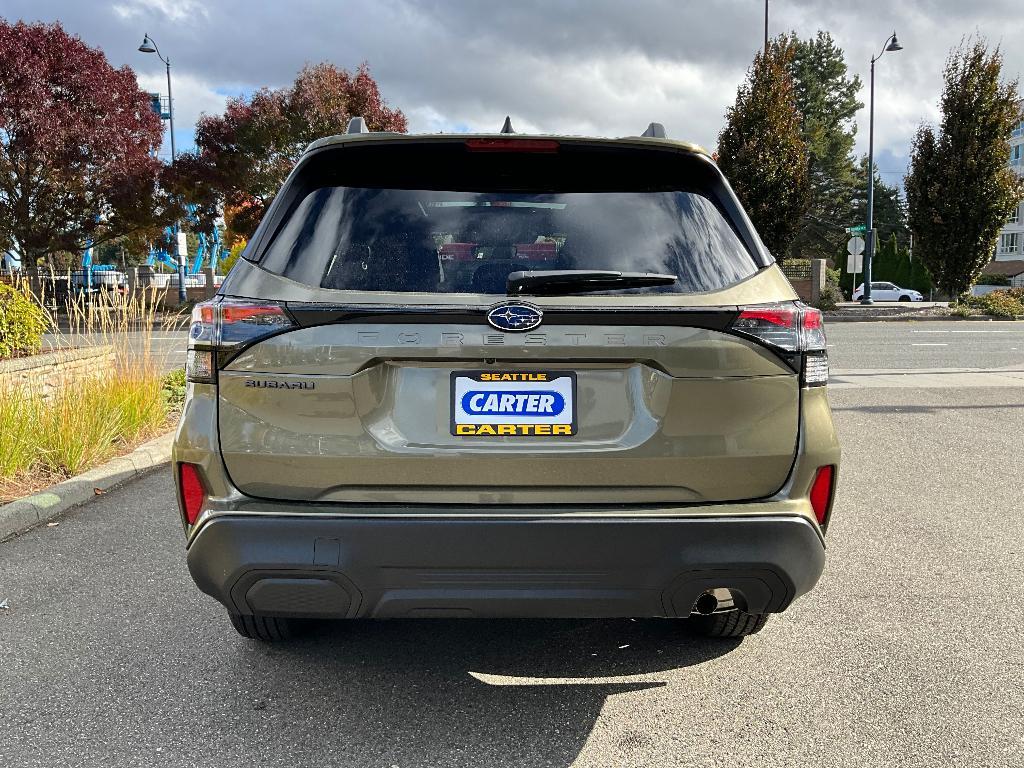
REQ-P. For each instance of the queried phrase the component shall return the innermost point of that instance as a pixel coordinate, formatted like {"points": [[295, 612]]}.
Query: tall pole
{"points": [[170, 109], [182, 291], [150, 46], [891, 44], [870, 232], [766, 26]]}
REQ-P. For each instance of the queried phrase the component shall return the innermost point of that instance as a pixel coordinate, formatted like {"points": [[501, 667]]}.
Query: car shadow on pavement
{"points": [[464, 692]]}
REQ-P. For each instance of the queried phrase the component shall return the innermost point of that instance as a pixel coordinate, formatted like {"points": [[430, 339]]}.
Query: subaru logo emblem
{"points": [[515, 317]]}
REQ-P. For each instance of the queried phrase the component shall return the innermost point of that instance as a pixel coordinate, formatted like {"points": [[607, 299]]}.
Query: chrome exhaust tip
{"points": [[706, 604], [712, 601]]}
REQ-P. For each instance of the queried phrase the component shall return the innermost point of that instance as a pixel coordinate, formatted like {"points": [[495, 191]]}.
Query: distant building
{"points": [[1009, 258]]}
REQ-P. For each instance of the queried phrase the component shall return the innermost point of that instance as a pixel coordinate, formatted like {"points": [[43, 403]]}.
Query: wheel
{"points": [[904, 298], [728, 624], [269, 629]]}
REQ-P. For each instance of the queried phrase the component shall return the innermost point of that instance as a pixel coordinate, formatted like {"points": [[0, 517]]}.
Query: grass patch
{"points": [[86, 419]]}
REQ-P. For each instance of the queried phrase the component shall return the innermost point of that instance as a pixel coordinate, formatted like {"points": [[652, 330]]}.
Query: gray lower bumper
{"points": [[338, 567]]}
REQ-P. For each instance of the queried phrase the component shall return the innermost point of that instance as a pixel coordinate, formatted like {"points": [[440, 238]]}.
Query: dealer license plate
{"points": [[513, 404]]}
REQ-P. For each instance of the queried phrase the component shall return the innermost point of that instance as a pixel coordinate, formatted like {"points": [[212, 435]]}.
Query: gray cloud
{"points": [[574, 66]]}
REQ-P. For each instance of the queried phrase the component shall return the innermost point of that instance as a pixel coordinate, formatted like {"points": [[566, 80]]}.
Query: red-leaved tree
{"points": [[76, 144], [246, 153]]}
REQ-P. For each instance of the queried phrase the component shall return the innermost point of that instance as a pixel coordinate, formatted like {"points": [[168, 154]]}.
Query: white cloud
{"points": [[172, 10], [604, 66], [192, 97]]}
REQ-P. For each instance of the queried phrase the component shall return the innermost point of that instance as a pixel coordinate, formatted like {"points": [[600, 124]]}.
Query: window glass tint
{"points": [[369, 239]]}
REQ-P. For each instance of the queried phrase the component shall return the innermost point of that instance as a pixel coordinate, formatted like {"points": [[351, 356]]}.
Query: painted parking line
{"points": [[929, 344]]}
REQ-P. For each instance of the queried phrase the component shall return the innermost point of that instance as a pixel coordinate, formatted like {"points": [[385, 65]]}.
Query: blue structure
{"points": [[164, 251], [209, 249]]}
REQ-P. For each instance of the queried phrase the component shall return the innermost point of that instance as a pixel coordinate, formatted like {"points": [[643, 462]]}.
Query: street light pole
{"points": [[170, 110], [149, 46], [890, 44], [766, 26]]}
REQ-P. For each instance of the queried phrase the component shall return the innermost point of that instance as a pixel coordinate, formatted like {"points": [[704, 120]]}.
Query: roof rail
{"points": [[654, 131], [507, 127], [357, 125]]}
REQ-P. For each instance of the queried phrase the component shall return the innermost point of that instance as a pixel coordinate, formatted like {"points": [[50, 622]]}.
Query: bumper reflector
{"points": [[821, 492], [192, 491]]}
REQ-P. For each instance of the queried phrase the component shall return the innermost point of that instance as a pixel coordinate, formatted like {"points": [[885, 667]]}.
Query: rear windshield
{"points": [[366, 238]]}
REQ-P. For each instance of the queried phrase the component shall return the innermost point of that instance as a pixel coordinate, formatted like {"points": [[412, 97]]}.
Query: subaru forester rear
{"points": [[502, 375]]}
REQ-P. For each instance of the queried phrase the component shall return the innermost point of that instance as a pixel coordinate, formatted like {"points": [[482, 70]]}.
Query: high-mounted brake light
{"points": [[193, 492], [512, 145], [227, 324], [793, 328], [821, 492]]}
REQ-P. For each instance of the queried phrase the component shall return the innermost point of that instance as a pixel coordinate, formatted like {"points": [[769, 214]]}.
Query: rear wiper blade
{"points": [[558, 282]]}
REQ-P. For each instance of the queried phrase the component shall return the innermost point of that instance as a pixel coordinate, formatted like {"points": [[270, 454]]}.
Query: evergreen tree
{"points": [[960, 189], [826, 97], [890, 212], [761, 151]]}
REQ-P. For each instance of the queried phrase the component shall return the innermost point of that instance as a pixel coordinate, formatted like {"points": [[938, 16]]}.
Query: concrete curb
{"points": [[22, 514]]}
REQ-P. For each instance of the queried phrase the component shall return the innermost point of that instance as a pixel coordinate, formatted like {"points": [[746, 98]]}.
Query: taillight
{"points": [[193, 492], [821, 492], [224, 325], [793, 328]]}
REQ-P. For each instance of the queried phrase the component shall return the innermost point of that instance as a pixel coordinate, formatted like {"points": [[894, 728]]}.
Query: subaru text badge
{"points": [[514, 316]]}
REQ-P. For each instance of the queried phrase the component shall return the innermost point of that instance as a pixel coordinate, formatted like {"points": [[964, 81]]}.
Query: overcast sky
{"points": [[562, 66]]}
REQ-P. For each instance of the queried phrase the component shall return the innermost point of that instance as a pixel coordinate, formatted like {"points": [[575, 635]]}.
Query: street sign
{"points": [[860, 229], [855, 246], [182, 244], [855, 263]]}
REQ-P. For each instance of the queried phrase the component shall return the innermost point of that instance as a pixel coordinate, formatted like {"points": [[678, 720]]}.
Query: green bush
{"points": [[994, 280], [22, 323], [1009, 303], [174, 389], [830, 297]]}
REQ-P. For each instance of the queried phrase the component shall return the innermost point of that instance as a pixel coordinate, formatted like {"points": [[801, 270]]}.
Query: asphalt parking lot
{"points": [[909, 652]]}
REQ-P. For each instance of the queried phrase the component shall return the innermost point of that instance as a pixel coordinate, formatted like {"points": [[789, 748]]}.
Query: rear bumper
{"points": [[346, 567]]}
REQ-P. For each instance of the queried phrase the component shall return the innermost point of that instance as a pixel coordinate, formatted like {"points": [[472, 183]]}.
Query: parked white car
{"points": [[888, 292]]}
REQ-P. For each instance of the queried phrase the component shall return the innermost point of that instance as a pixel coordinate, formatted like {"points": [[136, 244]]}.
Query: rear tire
{"points": [[728, 624], [269, 629]]}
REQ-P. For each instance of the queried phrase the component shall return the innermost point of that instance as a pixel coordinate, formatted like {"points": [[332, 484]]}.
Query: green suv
{"points": [[504, 375]]}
